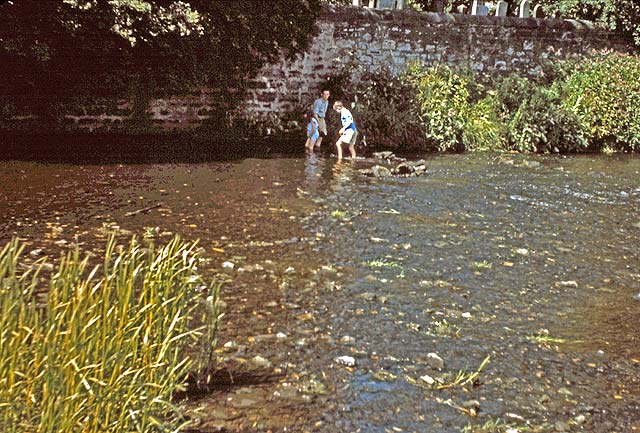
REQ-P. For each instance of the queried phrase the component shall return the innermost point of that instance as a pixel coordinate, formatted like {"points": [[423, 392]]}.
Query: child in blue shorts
{"points": [[312, 132]]}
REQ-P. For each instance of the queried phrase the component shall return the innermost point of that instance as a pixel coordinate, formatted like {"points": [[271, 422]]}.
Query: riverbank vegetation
{"points": [[590, 105], [143, 49], [102, 349]]}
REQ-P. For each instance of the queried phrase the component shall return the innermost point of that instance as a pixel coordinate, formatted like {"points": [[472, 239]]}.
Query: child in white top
{"points": [[348, 131]]}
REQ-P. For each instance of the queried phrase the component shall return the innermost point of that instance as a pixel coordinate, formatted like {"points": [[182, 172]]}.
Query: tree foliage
{"points": [[55, 49], [618, 15]]}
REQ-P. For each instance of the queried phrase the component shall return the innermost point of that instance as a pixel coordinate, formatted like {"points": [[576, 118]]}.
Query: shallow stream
{"points": [[527, 263]]}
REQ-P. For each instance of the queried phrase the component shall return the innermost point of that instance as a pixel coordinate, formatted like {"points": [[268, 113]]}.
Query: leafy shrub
{"points": [[387, 111], [482, 129], [536, 118], [576, 106], [604, 92], [452, 119]]}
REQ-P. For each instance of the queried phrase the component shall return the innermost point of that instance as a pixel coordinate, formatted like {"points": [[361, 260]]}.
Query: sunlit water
{"points": [[535, 266]]}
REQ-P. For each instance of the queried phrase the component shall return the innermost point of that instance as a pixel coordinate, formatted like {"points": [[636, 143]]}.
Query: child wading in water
{"points": [[312, 132], [348, 132]]}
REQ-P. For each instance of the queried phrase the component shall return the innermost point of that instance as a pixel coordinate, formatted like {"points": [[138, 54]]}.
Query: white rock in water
{"points": [[347, 340], [427, 379], [349, 361], [435, 361], [261, 362], [228, 265], [522, 251]]}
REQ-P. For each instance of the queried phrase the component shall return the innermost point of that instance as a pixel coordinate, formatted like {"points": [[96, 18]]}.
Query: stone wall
{"points": [[375, 39], [393, 39]]}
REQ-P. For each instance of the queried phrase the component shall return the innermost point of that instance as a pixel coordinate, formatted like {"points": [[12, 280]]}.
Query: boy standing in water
{"points": [[347, 132]]}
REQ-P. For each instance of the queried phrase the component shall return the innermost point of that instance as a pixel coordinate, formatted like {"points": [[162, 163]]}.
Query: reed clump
{"points": [[107, 349]]}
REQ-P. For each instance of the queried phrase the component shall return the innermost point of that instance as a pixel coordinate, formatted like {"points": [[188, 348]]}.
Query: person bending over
{"points": [[348, 131]]}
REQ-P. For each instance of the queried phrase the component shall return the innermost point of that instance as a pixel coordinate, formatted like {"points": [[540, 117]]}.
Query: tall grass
{"points": [[106, 351]]}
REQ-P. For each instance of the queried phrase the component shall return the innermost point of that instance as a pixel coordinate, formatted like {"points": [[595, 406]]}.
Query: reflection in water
{"points": [[343, 173], [313, 168]]}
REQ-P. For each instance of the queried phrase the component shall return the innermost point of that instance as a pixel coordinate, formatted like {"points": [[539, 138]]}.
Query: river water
{"points": [[526, 266]]}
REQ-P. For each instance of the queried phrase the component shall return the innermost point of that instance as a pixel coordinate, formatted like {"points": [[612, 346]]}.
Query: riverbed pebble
{"points": [[471, 404], [228, 265], [435, 361], [348, 361], [261, 362], [427, 379], [36, 253], [580, 419], [347, 340]]}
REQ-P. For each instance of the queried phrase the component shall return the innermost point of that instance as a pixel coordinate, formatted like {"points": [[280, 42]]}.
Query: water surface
{"points": [[530, 261]]}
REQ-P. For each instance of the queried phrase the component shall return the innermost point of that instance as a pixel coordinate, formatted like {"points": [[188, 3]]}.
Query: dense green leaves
{"points": [[589, 105], [605, 94], [536, 118], [452, 118], [52, 50], [620, 15], [387, 110]]}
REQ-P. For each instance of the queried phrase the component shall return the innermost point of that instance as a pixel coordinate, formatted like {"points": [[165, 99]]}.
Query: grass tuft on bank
{"points": [[102, 349]]}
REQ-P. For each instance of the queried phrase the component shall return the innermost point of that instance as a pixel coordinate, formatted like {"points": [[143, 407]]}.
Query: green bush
{"points": [[387, 111], [451, 118], [536, 119], [576, 106], [105, 351], [604, 92]]}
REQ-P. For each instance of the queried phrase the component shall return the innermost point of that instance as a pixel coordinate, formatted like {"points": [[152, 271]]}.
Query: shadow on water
{"points": [[113, 148]]}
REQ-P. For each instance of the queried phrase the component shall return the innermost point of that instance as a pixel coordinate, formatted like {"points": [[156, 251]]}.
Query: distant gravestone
{"points": [[525, 5], [538, 12], [476, 5], [501, 8], [399, 4], [479, 8], [462, 9], [356, 2], [386, 4]]}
